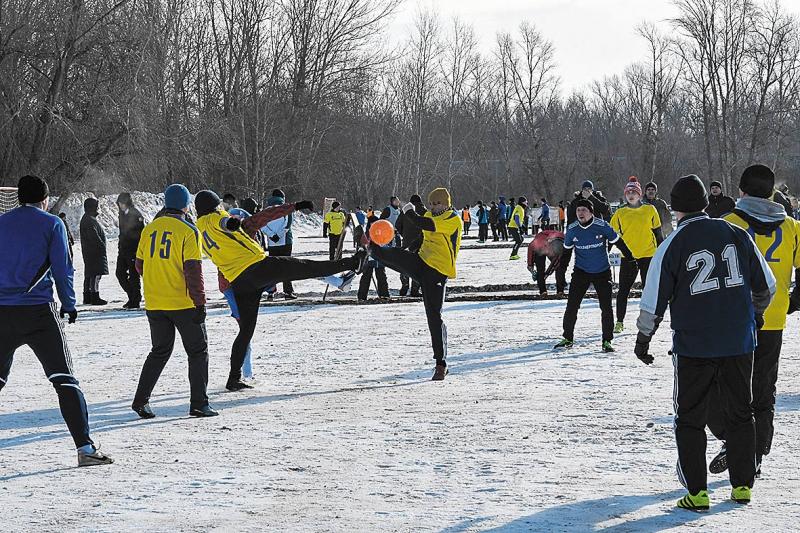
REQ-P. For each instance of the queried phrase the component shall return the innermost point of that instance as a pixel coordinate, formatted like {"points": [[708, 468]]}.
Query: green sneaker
{"points": [[619, 327], [741, 494], [513, 258], [607, 347], [564, 343], [698, 502]]}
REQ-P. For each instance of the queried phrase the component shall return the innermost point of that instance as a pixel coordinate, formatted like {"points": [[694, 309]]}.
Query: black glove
{"points": [[794, 303], [759, 320], [275, 238], [642, 347], [199, 314], [73, 315], [304, 204], [233, 224]]}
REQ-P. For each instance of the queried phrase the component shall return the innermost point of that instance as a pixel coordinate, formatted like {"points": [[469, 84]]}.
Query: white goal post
{"points": [[8, 199]]}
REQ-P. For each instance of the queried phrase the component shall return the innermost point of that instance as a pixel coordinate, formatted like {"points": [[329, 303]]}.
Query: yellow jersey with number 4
{"points": [[231, 251], [440, 247], [166, 243], [781, 250]]}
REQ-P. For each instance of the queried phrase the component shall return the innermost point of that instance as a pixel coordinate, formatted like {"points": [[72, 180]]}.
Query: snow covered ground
{"points": [[344, 432]]}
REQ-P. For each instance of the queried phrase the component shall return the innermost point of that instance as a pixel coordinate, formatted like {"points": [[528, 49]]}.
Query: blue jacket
{"points": [[483, 215], [34, 254], [714, 280], [502, 211], [545, 212]]}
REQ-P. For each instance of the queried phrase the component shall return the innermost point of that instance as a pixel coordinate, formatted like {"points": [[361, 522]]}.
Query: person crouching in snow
{"points": [[432, 266], [588, 236], [548, 244]]}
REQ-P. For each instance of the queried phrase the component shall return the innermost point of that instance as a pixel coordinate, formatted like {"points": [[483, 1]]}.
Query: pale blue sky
{"points": [[592, 38]]}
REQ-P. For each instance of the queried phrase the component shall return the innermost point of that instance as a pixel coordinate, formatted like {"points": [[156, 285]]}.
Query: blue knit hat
{"points": [[177, 197], [587, 185], [239, 212]]}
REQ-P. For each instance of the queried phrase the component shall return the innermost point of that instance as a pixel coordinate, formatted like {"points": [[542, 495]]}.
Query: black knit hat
{"points": [[32, 190], [415, 199], [757, 180], [279, 193], [206, 202], [334, 205], [522, 200], [249, 205], [715, 183], [689, 195], [583, 202], [651, 185]]}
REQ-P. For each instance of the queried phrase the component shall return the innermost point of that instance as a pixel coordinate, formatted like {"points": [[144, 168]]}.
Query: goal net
{"points": [[8, 199]]}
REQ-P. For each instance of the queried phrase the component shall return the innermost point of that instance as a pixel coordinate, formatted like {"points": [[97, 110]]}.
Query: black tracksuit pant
{"points": [[333, 244], [765, 377], [39, 327], [380, 279], [162, 335], [517, 237], [627, 277], [540, 261], [483, 232], [494, 232], [502, 228], [433, 285], [695, 379], [129, 279], [250, 284], [578, 286], [282, 251]]}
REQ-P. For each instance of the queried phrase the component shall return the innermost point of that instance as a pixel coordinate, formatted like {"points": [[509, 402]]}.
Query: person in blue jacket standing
{"points": [[502, 218], [483, 223], [35, 257]]}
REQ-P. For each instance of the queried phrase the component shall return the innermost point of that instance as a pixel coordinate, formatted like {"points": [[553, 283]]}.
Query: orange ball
{"points": [[381, 232]]}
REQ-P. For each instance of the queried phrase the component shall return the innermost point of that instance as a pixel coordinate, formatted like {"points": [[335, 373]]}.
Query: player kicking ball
{"points": [[248, 267], [589, 237]]}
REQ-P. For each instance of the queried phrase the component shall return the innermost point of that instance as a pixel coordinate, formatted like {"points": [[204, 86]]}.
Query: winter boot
{"points": [[440, 372], [87, 297], [237, 385], [144, 411], [96, 300], [697, 502], [201, 412], [93, 458]]}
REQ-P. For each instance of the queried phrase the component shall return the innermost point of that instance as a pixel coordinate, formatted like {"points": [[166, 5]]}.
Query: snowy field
{"points": [[345, 432]]}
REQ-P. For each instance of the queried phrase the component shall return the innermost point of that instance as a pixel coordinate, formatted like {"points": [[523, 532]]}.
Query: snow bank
{"points": [[150, 204]]}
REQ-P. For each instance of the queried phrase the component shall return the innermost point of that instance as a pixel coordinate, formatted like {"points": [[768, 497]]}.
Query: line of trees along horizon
{"points": [[244, 96]]}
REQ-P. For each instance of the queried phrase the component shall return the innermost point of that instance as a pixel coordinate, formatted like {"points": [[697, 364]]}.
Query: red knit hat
{"points": [[633, 185]]}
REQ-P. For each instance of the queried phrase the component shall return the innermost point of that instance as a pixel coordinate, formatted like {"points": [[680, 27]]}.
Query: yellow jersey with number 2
{"points": [[780, 250]]}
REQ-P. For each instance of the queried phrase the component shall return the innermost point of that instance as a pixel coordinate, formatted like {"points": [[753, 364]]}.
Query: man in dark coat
{"points": [[131, 224], [719, 205], [602, 209], [412, 240], [93, 249]]}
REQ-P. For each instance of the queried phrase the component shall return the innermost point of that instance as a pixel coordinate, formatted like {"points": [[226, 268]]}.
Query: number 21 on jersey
{"points": [[704, 261]]}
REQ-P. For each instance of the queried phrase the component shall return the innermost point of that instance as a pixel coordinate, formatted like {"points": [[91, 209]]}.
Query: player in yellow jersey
{"points": [[250, 271], [640, 226], [432, 265], [169, 260], [333, 225], [515, 223], [777, 236]]}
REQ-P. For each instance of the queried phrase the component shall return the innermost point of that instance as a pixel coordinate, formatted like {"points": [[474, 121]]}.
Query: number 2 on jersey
{"points": [[705, 261]]}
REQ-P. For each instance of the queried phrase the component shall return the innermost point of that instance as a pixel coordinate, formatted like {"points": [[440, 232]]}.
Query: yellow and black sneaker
{"points": [[697, 502], [564, 343], [741, 494]]}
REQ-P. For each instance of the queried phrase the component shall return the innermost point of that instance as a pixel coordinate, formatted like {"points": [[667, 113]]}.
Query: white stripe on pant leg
{"points": [[69, 385], [4, 381], [51, 376], [679, 469], [67, 354], [444, 326]]}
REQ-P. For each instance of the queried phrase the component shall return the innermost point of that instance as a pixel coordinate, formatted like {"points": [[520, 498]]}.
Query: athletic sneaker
{"points": [[289, 296], [144, 411], [347, 280], [619, 327], [564, 343], [513, 258], [741, 494], [93, 458], [719, 463], [608, 347], [131, 305], [439, 373], [204, 411], [234, 386], [698, 502]]}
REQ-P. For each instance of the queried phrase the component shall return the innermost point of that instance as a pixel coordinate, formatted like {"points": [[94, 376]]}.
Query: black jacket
{"points": [[410, 233], [718, 206], [602, 209], [494, 213], [131, 225], [93, 246]]}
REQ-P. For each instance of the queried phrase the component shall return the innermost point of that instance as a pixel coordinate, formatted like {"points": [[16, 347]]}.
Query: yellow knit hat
{"points": [[440, 195]]}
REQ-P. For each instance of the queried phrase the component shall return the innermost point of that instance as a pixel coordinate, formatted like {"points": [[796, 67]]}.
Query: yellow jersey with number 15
{"points": [[781, 249], [166, 243], [440, 247], [231, 251]]}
